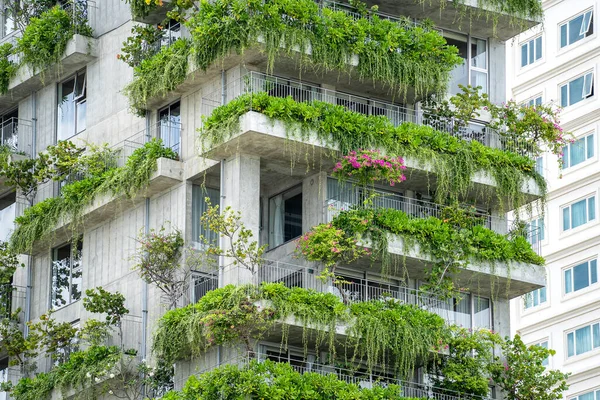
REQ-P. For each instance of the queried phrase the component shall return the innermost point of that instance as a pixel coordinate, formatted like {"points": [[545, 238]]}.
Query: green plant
{"points": [[8, 69], [45, 38], [141, 8], [465, 368], [101, 177], [157, 75], [368, 167], [270, 380], [159, 262], [101, 301], [523, 376], [54, 338], [140, 45], [453, 161]]}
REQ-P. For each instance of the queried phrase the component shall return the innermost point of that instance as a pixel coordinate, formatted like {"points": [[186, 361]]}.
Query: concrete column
{"points": [[314, 192], [241, 191]]}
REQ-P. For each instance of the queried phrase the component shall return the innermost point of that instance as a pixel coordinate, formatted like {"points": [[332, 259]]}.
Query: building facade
{"points": [[277, 176], [557, 64]]}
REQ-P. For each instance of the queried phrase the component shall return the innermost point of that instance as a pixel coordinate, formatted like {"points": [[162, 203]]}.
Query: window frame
{"points": [[529, 43], [567, 85], [571, 268], [566, 23], [291, 189], [567, 151], [78, 100], [569, 205], [79, 267], [573, 332], [533, 293], [595, 391]]}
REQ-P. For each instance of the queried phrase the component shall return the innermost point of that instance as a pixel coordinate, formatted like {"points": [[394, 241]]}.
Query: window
{"points": [[8, 213], [535, 298], [531, 51], [539, 165], [583, 340], [72, 106], [579, 213], [579, 151], [199, 207], [66, 275], [581, 276], [9, 129], [468, 311], [285, 216], [534, 101], [577, 90], [474, 70], [535, 231], [587, 396], [169, 126], [546, 360], [8, 19], [577, 28]]}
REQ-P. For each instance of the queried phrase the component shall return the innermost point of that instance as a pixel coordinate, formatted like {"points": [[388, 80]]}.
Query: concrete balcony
{"points": [[260, 136], [79, 52]]}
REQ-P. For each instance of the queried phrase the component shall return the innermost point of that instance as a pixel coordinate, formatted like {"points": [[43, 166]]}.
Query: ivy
{"points": [[230, 315], [454, 161], [158, 75], [271, 380], [38, 221]]}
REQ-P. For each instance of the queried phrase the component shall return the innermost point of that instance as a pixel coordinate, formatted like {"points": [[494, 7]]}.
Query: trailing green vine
{"points": [[452, 242], [38, 221], [404, 333], [271, 380], [453, 161], [8, 69]]}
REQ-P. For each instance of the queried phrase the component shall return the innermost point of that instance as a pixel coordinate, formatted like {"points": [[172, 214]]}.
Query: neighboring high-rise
{"points": [[252, 101], [557, 63]]}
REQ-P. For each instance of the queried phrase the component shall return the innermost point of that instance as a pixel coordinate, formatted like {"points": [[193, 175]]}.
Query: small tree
{"points": [[239, 246], [102, 301], [523, 376], [160, 262]]}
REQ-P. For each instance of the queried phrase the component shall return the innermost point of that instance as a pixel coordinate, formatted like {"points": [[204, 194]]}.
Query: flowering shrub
{"points": [[369, 166], [329, 245]]}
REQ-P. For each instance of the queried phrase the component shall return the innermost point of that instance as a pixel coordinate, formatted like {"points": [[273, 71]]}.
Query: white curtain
{"points": [[277, 211]]}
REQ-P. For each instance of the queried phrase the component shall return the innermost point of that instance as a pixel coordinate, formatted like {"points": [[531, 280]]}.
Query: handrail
{"points": [[256, 82], [17, 135]]}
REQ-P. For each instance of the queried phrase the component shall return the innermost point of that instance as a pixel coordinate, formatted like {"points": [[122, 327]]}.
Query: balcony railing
{"points": [[255, 82], [354, 198], [202, 283], [362, 378], [17, 135]]}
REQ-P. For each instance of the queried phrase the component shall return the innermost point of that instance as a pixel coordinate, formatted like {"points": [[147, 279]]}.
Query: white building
{"points": [[558, 62]]}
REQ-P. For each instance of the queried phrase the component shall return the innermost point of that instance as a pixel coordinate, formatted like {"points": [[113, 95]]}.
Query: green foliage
{"points": [[140, 45], [523, 377], [400, 55], [270, 380], [8, 69], [465, 368], [157, 75], [453, 161], [329, 245], [453, 242], [101, 177], [45, 39], [159, 262], [368, 166], [101, 301], [405, 334], [52, 337], [141, 8], [9, 262]]}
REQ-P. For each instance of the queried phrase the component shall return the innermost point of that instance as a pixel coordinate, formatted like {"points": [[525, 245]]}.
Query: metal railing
{"points": [[359, 376], [255, 82], [17, 135], [355, 198], [169, 35], [202, 283]]}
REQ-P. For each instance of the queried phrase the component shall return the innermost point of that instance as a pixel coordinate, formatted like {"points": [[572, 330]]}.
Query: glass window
{"points": [[534, 101], [72, 106], [169, 126], [460, 74], [535, 298], [577, 28], [546, 360], [199, 207], [579, 151], [539, 165], [531, 51], [579, 213], [8, 213], [581, 276], [285, 216], [66, 275], [479, 76], [483, 312], [577, 90], [535, 231], [587, 396], [8, 21], [583, 340]]}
